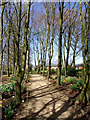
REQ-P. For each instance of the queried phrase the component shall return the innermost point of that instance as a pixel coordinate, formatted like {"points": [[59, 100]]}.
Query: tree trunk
{"points": [[51, 42], [14, 58], [18, 82], [8, 55], [60, 42], [84, 96], [68, 44], [1, 40], [20, 74], [82, 36], [43, 68], [49, 71]]}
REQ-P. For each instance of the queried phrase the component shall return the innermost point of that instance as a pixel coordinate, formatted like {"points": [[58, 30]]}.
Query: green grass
{"points": [[33, 72]]}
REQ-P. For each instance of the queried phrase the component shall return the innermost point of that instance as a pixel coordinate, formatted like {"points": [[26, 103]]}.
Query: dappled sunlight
{"points": [[45, 102]]}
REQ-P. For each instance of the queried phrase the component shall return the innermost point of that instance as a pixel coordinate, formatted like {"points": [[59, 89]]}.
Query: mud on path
{"points": [[44, 102]]}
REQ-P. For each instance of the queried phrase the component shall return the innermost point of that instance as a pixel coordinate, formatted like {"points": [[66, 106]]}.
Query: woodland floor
{"points": [[46, 102]]}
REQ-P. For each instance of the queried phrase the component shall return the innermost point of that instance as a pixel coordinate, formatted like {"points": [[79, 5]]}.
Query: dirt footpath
{"points": [[44, 102]]}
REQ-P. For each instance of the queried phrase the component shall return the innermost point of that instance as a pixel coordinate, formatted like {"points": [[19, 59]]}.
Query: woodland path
{"points": [[45, 102]]}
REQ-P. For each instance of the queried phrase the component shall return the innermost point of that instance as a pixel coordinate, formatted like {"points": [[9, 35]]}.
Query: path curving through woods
{"points": [[45, 102]]}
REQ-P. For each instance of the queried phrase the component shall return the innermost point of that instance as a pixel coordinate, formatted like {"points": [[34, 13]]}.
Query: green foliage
{"points": [[79, 72], [45, 72], [55, 77], [63, 80], [71, 79], [33, 72], [10, 109], [80, 83], [74, 87], [53, 71], [77, 85], [63, 71], [71, 71], [11, 78], [10, 87]]}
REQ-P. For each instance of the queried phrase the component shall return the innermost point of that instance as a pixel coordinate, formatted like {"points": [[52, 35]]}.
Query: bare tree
{"points": [[61, 7]]}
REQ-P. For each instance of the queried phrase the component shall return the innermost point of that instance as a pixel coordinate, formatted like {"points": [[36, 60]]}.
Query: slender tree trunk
{"points": [[26, 32], [43, 68], [60, 42], [10, 64], [49, 71], [38, 57], [68, 44], [34, 54], [18, 83], [45, 51], [41, 55], [1, 40], [8, 54], [51, 43], [48, 39], [64, 48], [14, 58], [29, 53], [1, 53], [44, 59]]}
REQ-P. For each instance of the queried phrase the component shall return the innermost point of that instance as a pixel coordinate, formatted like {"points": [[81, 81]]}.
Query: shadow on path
{"points": [[48, 103], [54, 116]]}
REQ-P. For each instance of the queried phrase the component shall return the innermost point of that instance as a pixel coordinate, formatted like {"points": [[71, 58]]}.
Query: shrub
{"points": [[45, 72], [33, 72], [80, 83], [77, 85], [63, 79], [74, 87], [55, 77], [11, 78], [71, 71], [53, 71], [10, 87], [79, 72], [71, 80]]}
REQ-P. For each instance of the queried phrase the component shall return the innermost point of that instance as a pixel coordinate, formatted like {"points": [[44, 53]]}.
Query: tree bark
{"points": [[69, 42], [18, 82], [8, 54], [84, 97], [60, 42]]}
